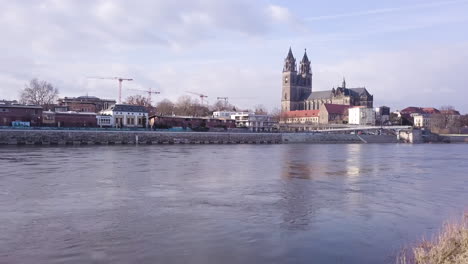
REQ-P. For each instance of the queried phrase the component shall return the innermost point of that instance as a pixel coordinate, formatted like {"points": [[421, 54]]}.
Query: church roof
{"points": [[359, 91], [320, 95], [347, 92]]}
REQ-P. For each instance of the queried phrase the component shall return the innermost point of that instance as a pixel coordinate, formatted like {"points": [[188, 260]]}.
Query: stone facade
{"points": [[75, 137], [297, 91]]}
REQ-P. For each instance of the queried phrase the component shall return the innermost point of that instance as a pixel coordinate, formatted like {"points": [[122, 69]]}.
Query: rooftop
{"points": [[129, 108], [13, 104], [336, 108], [302, 113]]}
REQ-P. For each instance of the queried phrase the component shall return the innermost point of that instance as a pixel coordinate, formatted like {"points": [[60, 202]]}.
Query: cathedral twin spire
{"points": [[290, 63]]}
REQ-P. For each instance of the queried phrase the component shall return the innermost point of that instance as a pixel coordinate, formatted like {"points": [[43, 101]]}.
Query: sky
{"points": [[405, 52]]}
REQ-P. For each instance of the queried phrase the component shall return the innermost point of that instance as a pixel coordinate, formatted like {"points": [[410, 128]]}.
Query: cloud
{"points": [[386, 10], [279, 13], [428, 76], [217, 47], [63, 41]]}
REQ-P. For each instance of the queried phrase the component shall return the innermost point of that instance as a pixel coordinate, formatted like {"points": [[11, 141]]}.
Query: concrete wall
{"points": [[320, 138], [336, 138], [414, 136], [454, 138], [71, 137]]}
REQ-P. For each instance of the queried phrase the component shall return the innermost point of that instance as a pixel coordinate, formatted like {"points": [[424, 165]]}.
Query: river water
{"points": [[225, 203]]}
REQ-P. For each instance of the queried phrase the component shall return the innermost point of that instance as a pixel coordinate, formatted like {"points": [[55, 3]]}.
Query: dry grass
{"points": [[449, 247]]}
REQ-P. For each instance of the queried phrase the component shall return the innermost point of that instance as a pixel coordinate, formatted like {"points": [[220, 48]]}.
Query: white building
{"points": [[105, 121], [226, 114], [127, 115], [361, 116], [422, 120], [255, 123]]}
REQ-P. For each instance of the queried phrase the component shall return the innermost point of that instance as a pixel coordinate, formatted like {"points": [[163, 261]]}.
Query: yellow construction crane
{"points": [[120, 79]]}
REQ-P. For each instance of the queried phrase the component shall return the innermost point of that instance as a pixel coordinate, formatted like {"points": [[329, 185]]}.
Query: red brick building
{"points": [[11, 111], [412, 110], [69, 119], [85, 103]]}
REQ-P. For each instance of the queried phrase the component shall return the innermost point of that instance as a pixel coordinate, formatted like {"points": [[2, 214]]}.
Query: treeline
{"points": [[45, 94], [188, 106]]}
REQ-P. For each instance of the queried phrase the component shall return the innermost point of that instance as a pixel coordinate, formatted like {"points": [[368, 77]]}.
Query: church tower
{"points": [[297, 86], [289, 94], [306, 77]]}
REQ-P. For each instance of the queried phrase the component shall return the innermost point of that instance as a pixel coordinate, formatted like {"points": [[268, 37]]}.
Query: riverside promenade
{"points": [[103, 137]]}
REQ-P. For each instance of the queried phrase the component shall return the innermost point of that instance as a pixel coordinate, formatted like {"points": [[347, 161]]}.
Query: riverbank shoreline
{"points": [[82, 137], [97, 137]]}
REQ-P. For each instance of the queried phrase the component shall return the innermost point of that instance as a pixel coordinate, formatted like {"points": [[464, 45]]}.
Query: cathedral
{"points": [[297, 89]]}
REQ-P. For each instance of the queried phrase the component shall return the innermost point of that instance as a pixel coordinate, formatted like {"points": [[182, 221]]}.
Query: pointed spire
{"points": [[290, 54], [305, 64], [289, 62], [305, 59], [344, 83]]}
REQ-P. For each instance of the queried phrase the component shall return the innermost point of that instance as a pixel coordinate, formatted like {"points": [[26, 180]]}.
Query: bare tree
{"points": [[464, 121], [142, 101], [39, 93], [261, 110], [184, 106], [446, 120], [222, 105], [165, 107], [276, 114], [137, 100]]}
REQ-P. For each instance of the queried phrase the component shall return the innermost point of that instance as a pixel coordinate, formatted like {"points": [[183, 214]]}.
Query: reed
{"points": [[450, 246]]}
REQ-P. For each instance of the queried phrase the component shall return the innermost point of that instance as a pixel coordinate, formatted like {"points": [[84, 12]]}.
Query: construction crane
{"points": [[149, 91], [120, 79], [202, 96]]}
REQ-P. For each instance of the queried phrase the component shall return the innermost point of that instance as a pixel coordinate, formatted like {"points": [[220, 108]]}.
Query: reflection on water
{"points": [[225, 204]]}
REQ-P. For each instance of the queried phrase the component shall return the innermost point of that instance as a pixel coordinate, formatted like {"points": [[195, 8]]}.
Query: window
{"points": [[130, 121]]}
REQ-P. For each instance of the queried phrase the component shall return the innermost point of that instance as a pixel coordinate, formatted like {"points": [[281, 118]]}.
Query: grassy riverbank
{"points": [[449, 247]]}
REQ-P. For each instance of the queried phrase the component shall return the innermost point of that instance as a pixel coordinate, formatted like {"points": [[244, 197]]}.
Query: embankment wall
{"points": [[454, 138], [324, 138], [72, 137], [77, 137]]}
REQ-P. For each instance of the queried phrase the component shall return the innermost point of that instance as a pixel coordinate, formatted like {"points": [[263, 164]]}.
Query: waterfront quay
{"points": [[104, 137]]}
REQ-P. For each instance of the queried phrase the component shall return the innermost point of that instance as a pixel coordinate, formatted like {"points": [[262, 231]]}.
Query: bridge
{"points": [[340, 128]]}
